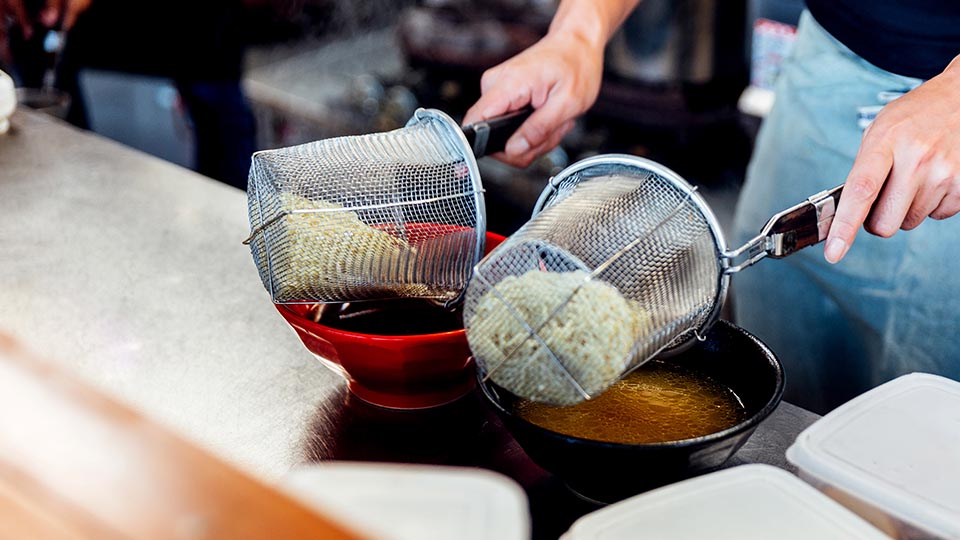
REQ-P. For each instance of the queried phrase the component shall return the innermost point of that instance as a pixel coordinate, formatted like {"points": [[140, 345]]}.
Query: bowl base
{"points": [[425, 400], [585, 498], [602, 494]]}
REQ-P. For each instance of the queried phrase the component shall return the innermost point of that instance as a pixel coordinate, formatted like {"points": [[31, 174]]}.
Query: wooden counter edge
{"points": [[75, 463]]}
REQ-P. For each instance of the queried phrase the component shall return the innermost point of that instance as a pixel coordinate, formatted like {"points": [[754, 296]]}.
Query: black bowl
{"points": [[607, 472]]}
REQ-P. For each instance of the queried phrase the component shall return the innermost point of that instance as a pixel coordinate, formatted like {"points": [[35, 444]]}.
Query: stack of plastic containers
{"points": [[8, 101], [889, 461], [386, 501], [750, 502], [891, 455]]}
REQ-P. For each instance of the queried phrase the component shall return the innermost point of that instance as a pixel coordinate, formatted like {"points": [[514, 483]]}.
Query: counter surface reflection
{"points": [[130, 272]]}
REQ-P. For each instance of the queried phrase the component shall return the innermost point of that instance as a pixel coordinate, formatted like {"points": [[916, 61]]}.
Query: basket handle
{"points": [[490, 136], [789, 231]]}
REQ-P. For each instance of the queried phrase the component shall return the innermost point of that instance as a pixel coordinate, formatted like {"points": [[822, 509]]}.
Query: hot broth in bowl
{"points": [[658, 402], [672, 419]]}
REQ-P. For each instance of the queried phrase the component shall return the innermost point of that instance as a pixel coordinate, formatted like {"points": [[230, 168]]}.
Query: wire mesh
{"points": [[395, 214], [620, 264]]}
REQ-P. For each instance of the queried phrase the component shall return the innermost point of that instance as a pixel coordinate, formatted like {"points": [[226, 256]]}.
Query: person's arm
{"points": [[559, 77], [907, 168]]}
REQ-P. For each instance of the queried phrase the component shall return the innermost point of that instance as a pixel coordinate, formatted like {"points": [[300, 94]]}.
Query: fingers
{"points": [[897, 196], [536, 132], [525, 159], [495, 100], [554, 140], [950, 205], [505, 92], [861, 189], [935, 183], [921, 208], [488, 80]]}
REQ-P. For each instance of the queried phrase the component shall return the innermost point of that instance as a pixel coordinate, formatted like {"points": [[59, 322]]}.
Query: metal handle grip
{"points": [[491, 136], [803, 225], [789, 231]]}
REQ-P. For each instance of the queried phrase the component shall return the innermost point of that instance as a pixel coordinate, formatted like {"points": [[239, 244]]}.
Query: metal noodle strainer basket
{"points": [[377, 216], [621, 261]]}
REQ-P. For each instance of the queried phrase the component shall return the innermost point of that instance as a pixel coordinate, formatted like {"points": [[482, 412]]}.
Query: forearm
{"points": [[592, 21]]}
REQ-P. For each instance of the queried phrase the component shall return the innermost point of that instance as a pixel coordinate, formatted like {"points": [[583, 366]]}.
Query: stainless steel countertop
{"points": [[130, 272]]}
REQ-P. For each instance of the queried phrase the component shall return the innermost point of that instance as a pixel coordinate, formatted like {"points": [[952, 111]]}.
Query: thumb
{"points": [[496, 101]]}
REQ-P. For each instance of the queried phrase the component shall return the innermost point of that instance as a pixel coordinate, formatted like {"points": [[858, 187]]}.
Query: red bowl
{"points": [[395, 371]]}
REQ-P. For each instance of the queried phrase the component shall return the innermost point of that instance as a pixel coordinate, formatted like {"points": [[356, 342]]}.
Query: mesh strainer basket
{"points": [[386, 215], [621, 261]]}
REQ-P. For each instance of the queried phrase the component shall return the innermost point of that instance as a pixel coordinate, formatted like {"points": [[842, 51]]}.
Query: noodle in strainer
{"points": [[622, 261]]}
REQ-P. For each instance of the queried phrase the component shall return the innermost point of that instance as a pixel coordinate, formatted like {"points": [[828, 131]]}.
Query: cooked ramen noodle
{"points": [[584, 324], [334, 254]]}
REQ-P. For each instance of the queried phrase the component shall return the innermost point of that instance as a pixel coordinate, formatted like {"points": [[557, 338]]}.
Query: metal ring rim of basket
{"points": [[687, 338], [455, 135]]}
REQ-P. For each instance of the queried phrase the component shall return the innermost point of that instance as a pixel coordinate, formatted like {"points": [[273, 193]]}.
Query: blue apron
{"points": [[892, 306]]}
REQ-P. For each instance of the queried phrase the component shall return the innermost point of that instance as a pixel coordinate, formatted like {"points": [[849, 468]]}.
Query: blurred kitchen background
{"points": [[686, 81]]}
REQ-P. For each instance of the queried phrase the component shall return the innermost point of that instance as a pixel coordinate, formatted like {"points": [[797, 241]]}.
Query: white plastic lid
{"points": [[8, 101], [896, 447], [414, 502], [749, 502]]}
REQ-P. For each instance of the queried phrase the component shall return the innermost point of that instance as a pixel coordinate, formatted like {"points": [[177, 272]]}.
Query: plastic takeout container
{"points": [[8, 101], [414, 502], [749, 502], [892, 455]]}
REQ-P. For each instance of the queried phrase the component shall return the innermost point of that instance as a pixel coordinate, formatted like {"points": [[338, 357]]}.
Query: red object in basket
{"points": [[395, 371]]}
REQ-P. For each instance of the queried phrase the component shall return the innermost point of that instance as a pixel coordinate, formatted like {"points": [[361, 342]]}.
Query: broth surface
{"points": [[658, 402], [399, 317]]}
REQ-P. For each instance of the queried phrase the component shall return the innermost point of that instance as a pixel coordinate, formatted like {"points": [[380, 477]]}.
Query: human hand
{"points": [[559, 77], [907, 168]]}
